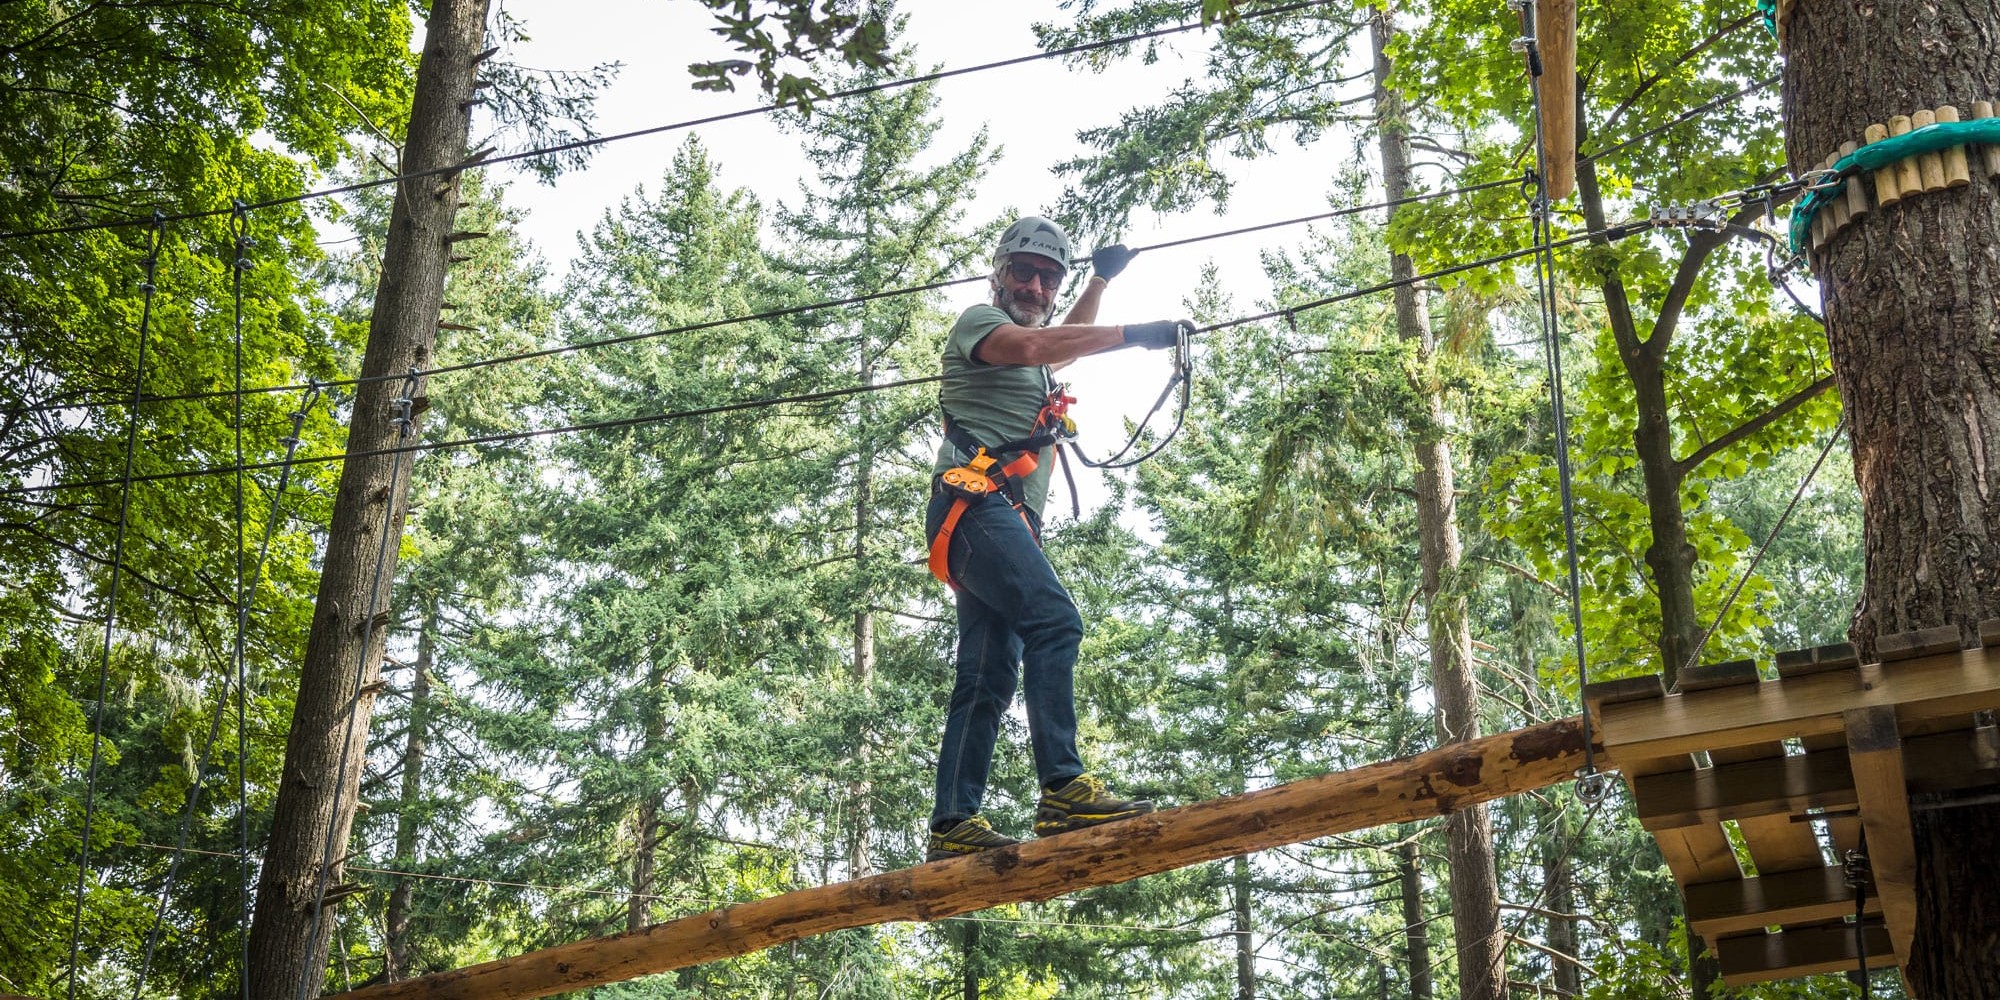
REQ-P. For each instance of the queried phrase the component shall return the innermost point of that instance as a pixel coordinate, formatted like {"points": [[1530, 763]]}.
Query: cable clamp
{"points": [[1687, 215], [1592, 785], [1523, 45], [1540, 208]]}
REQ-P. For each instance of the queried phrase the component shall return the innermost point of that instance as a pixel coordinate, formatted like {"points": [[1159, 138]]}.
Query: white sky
{"points": [[1033, 111]]}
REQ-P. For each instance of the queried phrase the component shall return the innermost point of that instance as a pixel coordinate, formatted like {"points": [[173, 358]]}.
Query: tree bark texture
{"points": [[316, 797], [1912, 295], [1475, 886], [1955, 892]]}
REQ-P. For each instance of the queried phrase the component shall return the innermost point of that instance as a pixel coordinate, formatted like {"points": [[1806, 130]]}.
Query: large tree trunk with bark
{"points": [[314, 812], [1912, 297], [1475, 887]]}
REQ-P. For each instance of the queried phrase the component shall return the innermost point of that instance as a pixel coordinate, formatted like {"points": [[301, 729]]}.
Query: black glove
{"points": [[1107, 262], [1157, 335]]}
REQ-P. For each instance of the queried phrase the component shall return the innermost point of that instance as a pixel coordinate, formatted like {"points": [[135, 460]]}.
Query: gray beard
{"points": [[1020, 313]]}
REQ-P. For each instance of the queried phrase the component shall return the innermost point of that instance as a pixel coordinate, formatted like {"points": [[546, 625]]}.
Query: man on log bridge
{"points": [[1004, 415]]}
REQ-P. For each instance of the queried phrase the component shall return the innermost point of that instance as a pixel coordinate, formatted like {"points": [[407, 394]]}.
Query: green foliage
{"points": [[115, 111], [792, 30]]}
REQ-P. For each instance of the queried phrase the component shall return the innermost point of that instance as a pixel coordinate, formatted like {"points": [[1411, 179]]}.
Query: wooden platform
{"points": [[1796, 762]]}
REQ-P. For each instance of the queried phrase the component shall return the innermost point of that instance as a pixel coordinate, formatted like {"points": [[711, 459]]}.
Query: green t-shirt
{"points": [[993, 403]]}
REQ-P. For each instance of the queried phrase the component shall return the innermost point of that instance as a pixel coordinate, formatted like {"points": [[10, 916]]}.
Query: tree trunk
{"points": [[1475, 887], [859, 790], [314, 812], [645, 840], [1416, 933], [1246, 950], [1912, 296], [1561, 930], [396, 944], [1670, 559], [646, 817], [971, 973]]}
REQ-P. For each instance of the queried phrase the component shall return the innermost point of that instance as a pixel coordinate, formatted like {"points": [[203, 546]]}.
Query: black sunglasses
{"points": [[1023, 272]]}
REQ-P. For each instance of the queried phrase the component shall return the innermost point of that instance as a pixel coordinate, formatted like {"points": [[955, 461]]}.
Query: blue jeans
{"points": [[1015, 623]]}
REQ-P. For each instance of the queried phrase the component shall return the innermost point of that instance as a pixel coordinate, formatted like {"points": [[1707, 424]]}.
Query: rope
{"points": [[1590, 785], [1183, 379], [1695, 656], [1610, 232], [569, 147], [1877, 155], [406, 427], [761, 316], [150, 266]]}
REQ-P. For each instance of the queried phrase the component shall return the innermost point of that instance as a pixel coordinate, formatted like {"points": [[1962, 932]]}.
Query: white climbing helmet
{"points": [[1036, 235]]}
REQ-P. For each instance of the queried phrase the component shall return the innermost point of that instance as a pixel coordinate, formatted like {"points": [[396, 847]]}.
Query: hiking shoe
{"points": [[970, 836], [1081, 802]]}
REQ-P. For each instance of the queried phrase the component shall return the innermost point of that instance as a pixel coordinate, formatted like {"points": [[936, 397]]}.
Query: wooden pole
{"points": [[1909, 176], [1887, 191], [1426, 785], [1857, 196], [1957, 169], [1984, 109], [1930, 166], [1555, 36]]}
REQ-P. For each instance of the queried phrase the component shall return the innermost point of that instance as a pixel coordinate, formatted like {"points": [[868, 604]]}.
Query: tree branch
{"points": [[1752, 426], [1524, 573], [1647, 84]]}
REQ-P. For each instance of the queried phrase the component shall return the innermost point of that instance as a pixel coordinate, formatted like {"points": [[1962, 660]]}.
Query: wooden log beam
{"points": [[1430, 784], [1808, 951], [1810, 896], [1920, 690], [1881, 784], [1555, 36]]}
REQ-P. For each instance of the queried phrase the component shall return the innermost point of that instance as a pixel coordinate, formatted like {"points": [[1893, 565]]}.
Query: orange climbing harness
{"points": [[977, 480]]}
